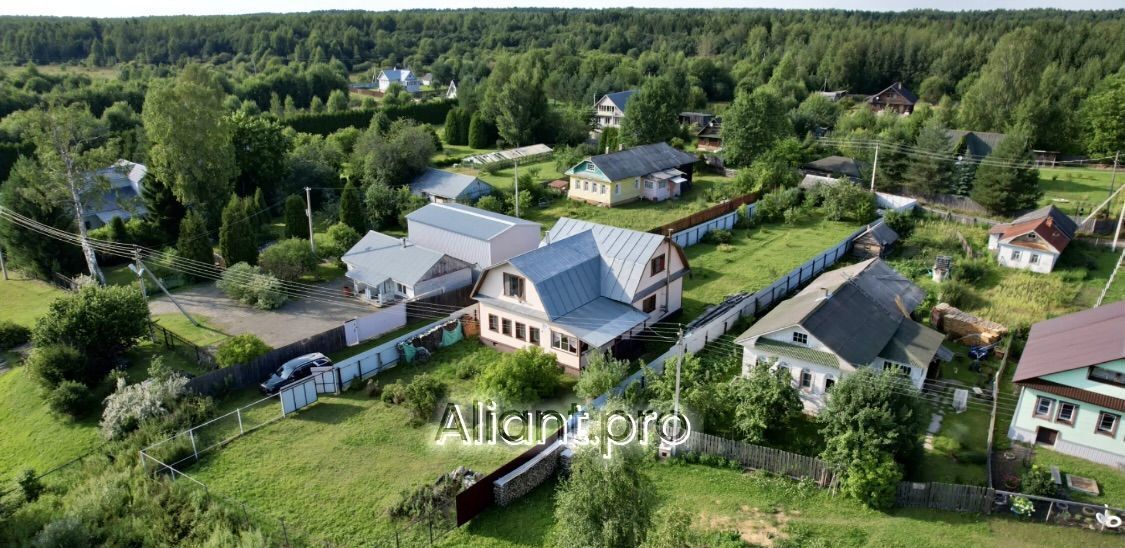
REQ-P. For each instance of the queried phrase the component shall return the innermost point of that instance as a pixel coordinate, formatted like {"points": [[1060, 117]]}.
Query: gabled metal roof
{"points": [[625, 254], [881, 233], [377, 257], [914, 344], [835, 165], [637, 161], [449, 185], [466, 220], [565, 274], [620, 98], [1081, 339]]}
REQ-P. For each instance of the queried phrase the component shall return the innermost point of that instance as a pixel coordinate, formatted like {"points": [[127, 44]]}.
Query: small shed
{"points": [[559, 185], [876, 241], [441, 186]]}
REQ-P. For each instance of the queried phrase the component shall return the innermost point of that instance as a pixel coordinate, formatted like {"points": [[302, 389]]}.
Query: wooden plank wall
{"points": [[252, 373]]}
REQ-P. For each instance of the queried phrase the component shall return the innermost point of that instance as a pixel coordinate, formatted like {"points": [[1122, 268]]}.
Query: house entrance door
{"points": [[1046, 436]]}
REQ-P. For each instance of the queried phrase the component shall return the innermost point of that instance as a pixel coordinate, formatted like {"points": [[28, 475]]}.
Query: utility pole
{"points": [[3, 266], [1113, 178], [516, 172], [874, 168], [308, 213], [676, 398], [140, 272], [1117, 231], [141, 266]]}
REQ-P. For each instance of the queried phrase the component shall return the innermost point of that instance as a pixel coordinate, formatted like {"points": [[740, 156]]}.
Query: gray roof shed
{"points": [[449, 185]]}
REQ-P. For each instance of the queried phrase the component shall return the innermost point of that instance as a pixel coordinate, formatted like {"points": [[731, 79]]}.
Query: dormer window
{"points": [[513, 286], [800, 338]]}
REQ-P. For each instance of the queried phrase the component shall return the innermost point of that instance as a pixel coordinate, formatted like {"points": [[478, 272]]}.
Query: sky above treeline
{"points": [[136, 8]]}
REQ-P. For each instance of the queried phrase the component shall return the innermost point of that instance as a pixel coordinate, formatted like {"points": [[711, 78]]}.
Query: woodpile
{"points": [[965, 328]]}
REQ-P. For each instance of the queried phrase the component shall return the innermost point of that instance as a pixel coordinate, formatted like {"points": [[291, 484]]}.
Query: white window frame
{"points": [[564, 343], [1073, 413], [1112, 431], [1033, 259], [801, 379], [1015, 256], [1039, 402]]}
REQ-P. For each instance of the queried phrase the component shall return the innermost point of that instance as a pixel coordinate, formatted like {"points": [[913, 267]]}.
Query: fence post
{"points": [[238, 412], [191, 434]]}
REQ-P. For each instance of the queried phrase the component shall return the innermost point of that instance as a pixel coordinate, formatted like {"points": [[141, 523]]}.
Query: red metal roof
{"points": [[1076, 340], [1047, 223]]}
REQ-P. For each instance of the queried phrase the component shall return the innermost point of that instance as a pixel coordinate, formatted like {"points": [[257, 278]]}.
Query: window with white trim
{"points": [[1107, 424], [800, 338], [521, 331], [806, 378], [566, 343], [513, 285], [1015, 254], [1033, 259], [493, 322], [1043, 407], [1067, 413], [533, 335], [617, 188], [656, 265], [506, 327]]}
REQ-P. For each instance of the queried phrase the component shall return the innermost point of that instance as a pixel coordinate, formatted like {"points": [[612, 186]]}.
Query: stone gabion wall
{"points": [[529, 479]]}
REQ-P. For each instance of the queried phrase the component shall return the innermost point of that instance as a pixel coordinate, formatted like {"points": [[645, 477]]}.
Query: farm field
{"points": [[754, 259], [335, 469], [768, 511]]}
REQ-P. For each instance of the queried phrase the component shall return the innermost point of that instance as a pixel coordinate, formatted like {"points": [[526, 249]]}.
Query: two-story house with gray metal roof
{"points": [[609, 111], [587, 288], [654, 172], [848, 318]]}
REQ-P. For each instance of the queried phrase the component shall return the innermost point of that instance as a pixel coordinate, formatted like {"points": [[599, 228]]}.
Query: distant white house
{"points": [[451, 91], [405, 77], [121, 197], [385, 270], [1033, 241], [438, 185], [427, 79], [848, 318], [478, 237], [609, 111]]}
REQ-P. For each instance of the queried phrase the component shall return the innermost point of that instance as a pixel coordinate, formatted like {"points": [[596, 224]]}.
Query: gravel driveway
{"points": [[295, 320]]}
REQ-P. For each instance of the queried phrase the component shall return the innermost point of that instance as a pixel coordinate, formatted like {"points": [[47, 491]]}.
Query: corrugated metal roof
{"points": [[625, 254], [835, 165], [466, 220], [914, 344], [620, 98], [377, 257], [797, 352], [882, 233], [851, 310], [601, 321], [1052, 225], [449, 185], [641, 160], [1076, 340]]}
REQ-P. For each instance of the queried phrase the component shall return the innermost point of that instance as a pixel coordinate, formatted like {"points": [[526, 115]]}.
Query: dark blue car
{"points": [[294, 370]]}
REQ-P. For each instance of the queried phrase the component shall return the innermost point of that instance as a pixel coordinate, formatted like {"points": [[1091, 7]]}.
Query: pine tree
{"points": [[478, 132], [296, 224], [117, 230], [608, 140], [931, 173], [463, 126], [194, 242], [351, 209], [236, 244]]}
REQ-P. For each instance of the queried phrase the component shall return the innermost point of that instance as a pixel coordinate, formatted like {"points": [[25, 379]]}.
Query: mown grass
{"points": [[204, 334], [755, 259], [1077, 190], [766, 511], [1111, 482], [25, 300], [334, 469]]}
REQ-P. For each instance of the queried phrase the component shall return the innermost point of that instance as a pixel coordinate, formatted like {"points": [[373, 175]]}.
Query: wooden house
{"points": [[876, 241], [897, 99], [710, 137]]}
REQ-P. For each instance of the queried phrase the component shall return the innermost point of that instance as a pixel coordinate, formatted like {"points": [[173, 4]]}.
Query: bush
{"points": [[600, 374], [373, 389], [846, 201], [70, 399], [248, 285], [946, 445], [720, 236], [240, 349], [423, 394], [13, 334], [522, 376], [873, 481], [30, 486], [288, 260], [130, 405], [394, 393], [772, 206], [53, 364], [100, 322], [1037, 481], [953, 292], [901, 222], [65, 532]]}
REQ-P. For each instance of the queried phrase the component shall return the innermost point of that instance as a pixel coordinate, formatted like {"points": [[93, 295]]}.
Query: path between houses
{"points": [[292, 322]]}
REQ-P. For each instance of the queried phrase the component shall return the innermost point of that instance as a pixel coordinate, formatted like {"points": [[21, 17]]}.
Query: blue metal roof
{"points": [[449, 185], [466, 220], [621, 98], [601, 320]]}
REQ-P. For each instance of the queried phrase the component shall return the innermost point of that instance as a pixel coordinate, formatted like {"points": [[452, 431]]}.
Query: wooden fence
{"points": [[775, 461], [945, 496], [250, 374], [713, 212], [427, 308]]}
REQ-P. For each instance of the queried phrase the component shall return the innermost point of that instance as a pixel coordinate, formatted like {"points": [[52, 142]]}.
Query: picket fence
{"points": [[945, 496], [775, 461]]}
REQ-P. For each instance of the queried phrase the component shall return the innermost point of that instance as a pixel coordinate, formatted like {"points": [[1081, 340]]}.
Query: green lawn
{"points": [[767, 510], [1110, 481], [202, 335], [1075, 189], [754, 260], [25, 300], [30, 436], [335, 468]]}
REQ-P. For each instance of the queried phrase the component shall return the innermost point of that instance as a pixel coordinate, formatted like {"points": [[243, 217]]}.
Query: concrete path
{"points": [[295, 320]]}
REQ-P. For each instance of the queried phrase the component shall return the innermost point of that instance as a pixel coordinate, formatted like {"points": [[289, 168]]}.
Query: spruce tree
{"points": [[296, 224], [465, 118], [478, 132], [236, 244], [351, 209], [163, 207], [194, 242], [453, 127], [1008, 182]]}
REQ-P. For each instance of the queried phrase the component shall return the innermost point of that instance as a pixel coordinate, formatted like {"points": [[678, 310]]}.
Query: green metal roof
{"points": [[797, 352]]}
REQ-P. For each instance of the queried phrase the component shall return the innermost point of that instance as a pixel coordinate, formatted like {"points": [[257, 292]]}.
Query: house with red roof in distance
{"points": [[1033, 241], [1072, 385], [897, 99]]}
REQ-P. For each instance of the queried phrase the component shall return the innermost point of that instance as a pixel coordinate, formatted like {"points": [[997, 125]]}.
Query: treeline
{"points": [[325, 123]]}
